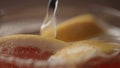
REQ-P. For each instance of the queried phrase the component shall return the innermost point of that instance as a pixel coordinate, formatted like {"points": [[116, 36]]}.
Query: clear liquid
{"points": [[50, 19]]}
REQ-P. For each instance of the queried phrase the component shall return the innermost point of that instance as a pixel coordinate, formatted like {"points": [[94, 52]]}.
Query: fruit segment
{"points": [[89, 53], [27, 51], [77, 28]]}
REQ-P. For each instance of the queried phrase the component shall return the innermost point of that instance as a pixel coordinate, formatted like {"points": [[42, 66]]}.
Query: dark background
{"points": [[26, 16]]}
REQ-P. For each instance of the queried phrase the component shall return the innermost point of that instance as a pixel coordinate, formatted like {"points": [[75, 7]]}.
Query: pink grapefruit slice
{"points": [[27, 51]]}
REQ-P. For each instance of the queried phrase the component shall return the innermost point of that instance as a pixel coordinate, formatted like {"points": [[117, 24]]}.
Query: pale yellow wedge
{"points": [[88, 53], [77, 28]]}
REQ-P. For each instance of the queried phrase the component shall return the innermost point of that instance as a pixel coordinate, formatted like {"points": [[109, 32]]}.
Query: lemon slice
{"points": [[77, 28], [80, 53]]}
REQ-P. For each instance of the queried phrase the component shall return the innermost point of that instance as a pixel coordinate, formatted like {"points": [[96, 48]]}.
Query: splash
{"points": [[50, 19]]}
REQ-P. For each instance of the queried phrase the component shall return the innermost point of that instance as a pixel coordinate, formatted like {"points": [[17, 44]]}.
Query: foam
{"points": [[29, 62]]}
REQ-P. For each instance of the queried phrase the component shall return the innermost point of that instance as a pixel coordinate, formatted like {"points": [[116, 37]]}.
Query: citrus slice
{"points": [[75, 29], [90, 54], [21, 51]]}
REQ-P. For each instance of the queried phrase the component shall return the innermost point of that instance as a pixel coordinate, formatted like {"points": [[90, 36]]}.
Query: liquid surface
{"points": [[101, 63]]}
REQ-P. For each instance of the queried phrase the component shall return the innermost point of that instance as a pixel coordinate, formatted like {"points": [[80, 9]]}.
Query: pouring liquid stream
{"points": [[50, 19]]}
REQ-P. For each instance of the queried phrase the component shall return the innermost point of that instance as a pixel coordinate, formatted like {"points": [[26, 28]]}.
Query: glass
{"points": [[27, 16]]}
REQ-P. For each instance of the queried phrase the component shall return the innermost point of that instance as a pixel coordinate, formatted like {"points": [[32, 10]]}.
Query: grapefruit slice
{"points": [[75, 29], [90, 54], [26, 51]]}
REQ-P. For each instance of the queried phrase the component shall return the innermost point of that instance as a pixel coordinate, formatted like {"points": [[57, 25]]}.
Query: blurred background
{"points": [[26, 16]]}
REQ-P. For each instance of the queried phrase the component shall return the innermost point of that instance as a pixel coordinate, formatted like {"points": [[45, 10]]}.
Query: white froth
{"points": [[40, 64], [10, 59], [29, 61], [53, 60], [76, 50], [19, 61]]}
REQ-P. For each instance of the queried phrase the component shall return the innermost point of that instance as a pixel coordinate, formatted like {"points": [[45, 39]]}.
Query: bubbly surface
{"points": [[17, 57]]}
